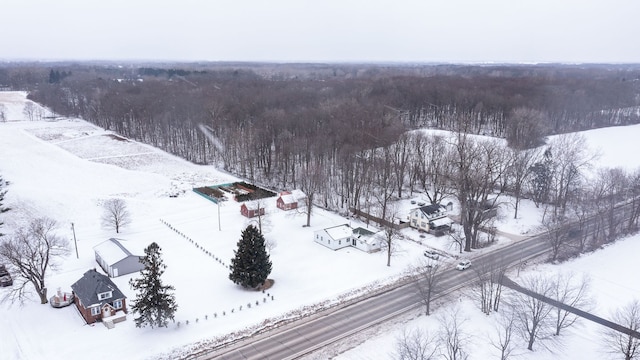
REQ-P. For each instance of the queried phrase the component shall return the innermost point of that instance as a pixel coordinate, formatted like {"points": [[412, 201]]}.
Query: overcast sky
{"points": [[322, 30]]}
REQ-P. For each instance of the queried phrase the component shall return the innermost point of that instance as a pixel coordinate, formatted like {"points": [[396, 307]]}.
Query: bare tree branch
{"points": [[30, 252]]}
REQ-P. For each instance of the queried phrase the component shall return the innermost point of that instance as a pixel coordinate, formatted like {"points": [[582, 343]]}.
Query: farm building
{"points": [[98, 298], [288, 200], [341, 236], [119, 257], [251, 209]]}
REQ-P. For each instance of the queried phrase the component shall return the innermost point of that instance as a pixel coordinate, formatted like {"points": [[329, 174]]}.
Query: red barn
{"points": [[251, 210], [288, 200]]}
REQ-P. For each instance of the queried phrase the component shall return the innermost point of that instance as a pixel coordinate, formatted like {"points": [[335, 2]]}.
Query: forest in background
{"points": [[341, 132]]}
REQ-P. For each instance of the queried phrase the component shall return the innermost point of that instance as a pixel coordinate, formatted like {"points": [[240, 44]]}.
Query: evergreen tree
{"points": [[155, 303], [251, 265], [542, 175], [2, 193]]}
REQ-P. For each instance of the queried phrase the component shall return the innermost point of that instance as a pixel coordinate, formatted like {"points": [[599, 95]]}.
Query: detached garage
{"points": [[119, 257]]}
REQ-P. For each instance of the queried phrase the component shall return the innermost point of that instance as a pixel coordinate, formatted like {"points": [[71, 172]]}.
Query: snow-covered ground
{"points": [[66, 169]]}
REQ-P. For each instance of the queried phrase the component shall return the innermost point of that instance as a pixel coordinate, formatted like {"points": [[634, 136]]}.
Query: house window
{"points": [[423, 224], [95, 311], [339, 242], [117, 304], [414, 222], [104, 295]]}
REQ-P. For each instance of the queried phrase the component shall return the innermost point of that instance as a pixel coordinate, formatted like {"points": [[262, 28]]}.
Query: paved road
{"points": [[307, 335]]}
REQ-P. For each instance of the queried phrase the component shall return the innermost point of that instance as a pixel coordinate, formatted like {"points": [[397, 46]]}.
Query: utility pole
{"points": [[219, 225], [75, 242]]}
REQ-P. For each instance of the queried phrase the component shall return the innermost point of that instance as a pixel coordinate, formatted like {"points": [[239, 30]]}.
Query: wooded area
{"points": [[341, 133]]}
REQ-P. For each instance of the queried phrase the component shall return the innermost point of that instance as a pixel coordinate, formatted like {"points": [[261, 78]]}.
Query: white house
{"points": [[430, 217], [119, 257], [341, 236], [336, 237], [366, 240]]}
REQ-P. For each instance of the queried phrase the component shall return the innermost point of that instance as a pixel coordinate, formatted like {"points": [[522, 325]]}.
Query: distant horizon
{"points": [[311, 62], [295, 31]]}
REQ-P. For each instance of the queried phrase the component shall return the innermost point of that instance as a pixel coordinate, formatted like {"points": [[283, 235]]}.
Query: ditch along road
{"points": [[304, 336]]}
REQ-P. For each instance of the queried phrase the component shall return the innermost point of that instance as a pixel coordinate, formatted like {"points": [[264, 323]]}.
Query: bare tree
{"points": [[29, 110], [526, 128], [383, 182], [488, 287], [30, 252], [400, 161], [390, 236], [436, 168], [634, 194], [116, 215], [503, 340], [533, 315], [310, 181], [457, 237], [519, 172], [480, 169], [452, 337], [415, 344], [3, 113], [556, 233], [570, 291], [608, 189], [3, 192], [427, 282], [390, 233], [570, 157], [621, 344]]}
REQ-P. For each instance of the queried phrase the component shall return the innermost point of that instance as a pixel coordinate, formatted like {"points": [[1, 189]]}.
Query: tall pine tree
{"points": [[251, 265], [155, 303]]}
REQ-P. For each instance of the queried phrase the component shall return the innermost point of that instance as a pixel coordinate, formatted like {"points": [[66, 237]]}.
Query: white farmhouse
{"points": [[430, 217], [341, 236]]}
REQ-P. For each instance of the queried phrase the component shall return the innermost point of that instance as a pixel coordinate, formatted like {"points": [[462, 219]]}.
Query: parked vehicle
{"points": [[463, 264], [5, 277], [431, 254]]}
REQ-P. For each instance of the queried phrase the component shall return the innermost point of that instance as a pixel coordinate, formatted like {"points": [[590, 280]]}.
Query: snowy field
{"points": [[66, 169]]}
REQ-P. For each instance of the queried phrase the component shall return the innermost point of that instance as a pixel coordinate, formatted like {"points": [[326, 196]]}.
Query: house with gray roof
{"points": [[430, 217], [99, 299], [119, 257]]}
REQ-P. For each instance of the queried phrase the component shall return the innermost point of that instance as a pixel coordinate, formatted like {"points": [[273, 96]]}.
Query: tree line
{"points": [[345, 136]]}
